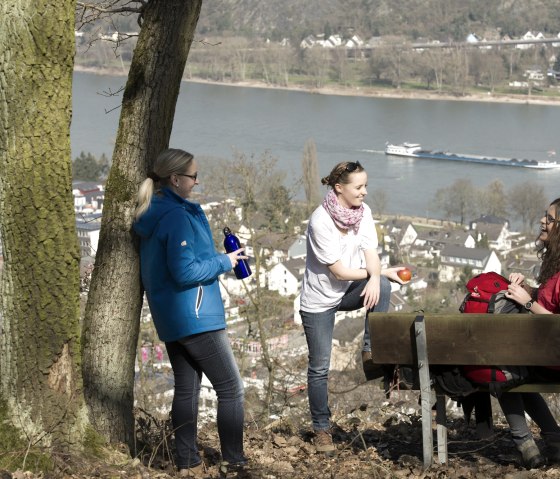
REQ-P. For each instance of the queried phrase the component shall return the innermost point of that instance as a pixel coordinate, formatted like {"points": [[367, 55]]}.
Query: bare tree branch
{"points": [[111, 7], [110, 93], [88, 12]]}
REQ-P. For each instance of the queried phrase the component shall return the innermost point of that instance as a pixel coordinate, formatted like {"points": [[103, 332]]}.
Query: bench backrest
{"points": [[477, 339]]}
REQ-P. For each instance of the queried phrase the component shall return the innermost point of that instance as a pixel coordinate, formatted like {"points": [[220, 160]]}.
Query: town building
{"points": [[455, 260]]}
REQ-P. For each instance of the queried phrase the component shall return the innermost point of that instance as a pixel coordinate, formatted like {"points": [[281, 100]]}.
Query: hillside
{"points": [[434, 19], [451, 20]]}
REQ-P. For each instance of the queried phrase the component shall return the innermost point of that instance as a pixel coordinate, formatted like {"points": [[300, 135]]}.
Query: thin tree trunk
{"points": [[40, 378], [113, 309]]}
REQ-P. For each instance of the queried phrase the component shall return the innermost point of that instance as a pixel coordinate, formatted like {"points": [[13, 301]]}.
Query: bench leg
{"points": [[441, 421], [425, 391]]}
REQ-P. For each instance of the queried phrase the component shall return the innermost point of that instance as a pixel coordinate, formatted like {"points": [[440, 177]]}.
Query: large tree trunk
{"points": [[40, 378], [112, 314]]}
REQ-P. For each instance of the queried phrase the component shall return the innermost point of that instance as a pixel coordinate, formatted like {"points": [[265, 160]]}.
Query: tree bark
{"points": [[311, 179], [40, 377], [111, 323]]}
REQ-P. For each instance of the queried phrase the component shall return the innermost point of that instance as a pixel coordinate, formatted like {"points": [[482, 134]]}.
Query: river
{"points": [[216, 120]]}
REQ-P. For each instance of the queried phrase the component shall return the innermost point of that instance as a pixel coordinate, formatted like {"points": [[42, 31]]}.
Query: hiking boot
{"points": [[324, 443], [371, 370], [531, 455], [237, 471], [196, 472]]}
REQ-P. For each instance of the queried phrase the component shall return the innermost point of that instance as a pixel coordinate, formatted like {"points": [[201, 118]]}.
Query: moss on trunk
{"points": [[40, 377]]}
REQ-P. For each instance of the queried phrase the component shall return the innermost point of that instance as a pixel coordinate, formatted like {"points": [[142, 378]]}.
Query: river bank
{"points": [[373, 92]]}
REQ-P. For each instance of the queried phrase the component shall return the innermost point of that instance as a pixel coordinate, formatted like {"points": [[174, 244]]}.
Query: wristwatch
{"points": [[529, 305]]}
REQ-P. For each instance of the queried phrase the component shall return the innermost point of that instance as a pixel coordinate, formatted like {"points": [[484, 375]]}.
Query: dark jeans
{"points": [[319, 328], [352, 301], [209, 353], [514, 407]]}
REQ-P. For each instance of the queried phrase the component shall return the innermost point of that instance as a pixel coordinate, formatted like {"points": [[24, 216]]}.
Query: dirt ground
{"points": [[389, 446], [375, 438]]}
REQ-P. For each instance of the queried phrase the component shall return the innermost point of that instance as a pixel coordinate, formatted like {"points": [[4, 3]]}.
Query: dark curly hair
{"points": [[549, 251]]}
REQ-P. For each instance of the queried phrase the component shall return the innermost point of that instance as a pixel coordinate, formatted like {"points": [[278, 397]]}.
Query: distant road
{"points": [[482, 44]]}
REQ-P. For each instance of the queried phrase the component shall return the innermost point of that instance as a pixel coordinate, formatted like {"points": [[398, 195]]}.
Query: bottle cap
{"points": [[227, 231]]}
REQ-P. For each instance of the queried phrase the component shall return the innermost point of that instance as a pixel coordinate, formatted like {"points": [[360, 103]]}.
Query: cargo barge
{"points": [[414, 150]]}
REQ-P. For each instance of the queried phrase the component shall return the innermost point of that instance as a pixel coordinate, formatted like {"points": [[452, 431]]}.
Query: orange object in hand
{"points": [[404, 274]]}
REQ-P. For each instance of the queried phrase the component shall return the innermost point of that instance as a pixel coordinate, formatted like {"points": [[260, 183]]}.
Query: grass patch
{"points": [[94, 443]]}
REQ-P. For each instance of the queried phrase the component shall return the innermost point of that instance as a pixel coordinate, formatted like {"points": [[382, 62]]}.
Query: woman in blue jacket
{"points": [[180, 268]]}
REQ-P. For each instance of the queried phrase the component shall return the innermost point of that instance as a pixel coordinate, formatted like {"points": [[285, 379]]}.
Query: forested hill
{"points": [[431, 19]]}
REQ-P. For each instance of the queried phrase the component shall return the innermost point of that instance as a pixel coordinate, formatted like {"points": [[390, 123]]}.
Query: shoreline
{"points": [[368, 92]]}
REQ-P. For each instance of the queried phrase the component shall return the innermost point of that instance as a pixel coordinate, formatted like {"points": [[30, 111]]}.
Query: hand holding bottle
{"points": [[236, 256], [238, 260]]}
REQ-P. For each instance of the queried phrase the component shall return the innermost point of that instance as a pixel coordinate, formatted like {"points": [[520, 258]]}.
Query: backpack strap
{"points": [[492, 304]]}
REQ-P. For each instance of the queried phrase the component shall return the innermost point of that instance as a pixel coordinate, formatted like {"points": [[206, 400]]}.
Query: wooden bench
{"points": [[420, 340]]}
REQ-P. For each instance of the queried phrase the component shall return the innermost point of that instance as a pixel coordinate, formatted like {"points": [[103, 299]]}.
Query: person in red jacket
{"points": [[542, 300]]}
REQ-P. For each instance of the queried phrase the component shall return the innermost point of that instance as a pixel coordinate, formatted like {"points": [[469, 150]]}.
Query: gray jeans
{"points": [[515, 405]]}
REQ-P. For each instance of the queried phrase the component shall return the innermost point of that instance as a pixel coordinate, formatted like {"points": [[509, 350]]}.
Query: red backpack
{"points": [[486, 294], [497, 379]]}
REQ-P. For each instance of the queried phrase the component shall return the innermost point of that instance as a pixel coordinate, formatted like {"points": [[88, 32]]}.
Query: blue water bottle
{"points": [[231, 243]]}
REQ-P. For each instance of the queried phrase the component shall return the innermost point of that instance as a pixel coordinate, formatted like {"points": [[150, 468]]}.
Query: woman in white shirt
{"points": [[343, 273]]}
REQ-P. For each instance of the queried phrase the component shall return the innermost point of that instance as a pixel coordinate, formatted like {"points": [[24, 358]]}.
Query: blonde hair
{"points": [[168, 162], [341, 173]]}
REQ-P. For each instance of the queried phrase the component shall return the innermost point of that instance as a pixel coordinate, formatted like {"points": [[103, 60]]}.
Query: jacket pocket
{"points": [[199, 296]]}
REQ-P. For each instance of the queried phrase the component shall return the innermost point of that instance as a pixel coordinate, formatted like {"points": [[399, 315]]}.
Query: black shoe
{"points": [[371, 370]]}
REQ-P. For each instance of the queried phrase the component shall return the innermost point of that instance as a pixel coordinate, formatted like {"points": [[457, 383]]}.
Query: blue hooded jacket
{"points": [[180, 267]]}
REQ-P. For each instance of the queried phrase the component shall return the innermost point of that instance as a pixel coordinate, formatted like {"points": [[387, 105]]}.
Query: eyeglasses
{"points": [[548, 218], [353, 166], [193, 177]]}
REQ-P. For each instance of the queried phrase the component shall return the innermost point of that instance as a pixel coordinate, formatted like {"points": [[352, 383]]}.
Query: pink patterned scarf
{"points": [[344, 218]]}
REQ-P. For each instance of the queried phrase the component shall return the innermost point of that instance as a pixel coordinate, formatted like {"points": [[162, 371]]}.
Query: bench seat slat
{"points": [[476, 339]]}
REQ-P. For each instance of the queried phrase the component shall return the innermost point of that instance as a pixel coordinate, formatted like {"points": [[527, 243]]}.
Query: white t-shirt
{"points": [[326, 245]]}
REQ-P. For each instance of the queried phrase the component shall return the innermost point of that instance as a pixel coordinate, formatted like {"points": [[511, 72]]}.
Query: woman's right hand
{"points": [[518, 293], [392, 274], [235, 256]]}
